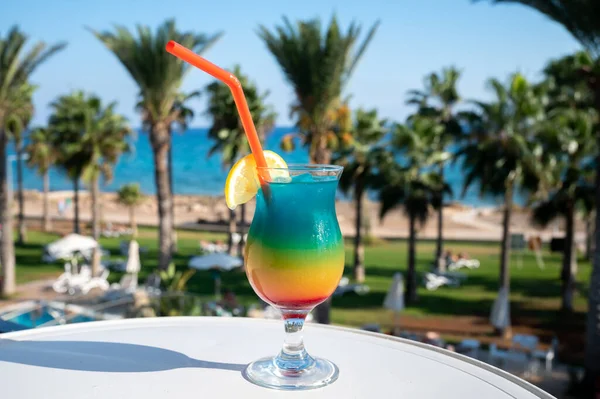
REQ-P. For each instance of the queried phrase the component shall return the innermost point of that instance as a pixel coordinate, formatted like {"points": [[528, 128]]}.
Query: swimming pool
{"points": [[33, 314]]}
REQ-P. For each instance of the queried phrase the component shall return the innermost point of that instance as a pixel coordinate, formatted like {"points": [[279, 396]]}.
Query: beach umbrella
{"points": [[219, 261], [69, 245], [500, 315], [216, 262], [133, 259], [394, 299]]}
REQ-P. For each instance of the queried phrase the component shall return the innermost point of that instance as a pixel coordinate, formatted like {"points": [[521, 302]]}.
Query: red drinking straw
{"points": [[234, 84]]}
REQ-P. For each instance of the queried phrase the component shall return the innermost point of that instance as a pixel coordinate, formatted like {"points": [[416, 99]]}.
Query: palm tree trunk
{"points": [[589, 237], [242, 229], [172, 191], [410, 295], [7, 249], [22, 237], [46, 224], [439, 248], [358, 270], [231, 230], [76, 204], [567, 276], [95, 224], [133, 222], [504, 281], [160, 140], [321, 154], [592, 349], [505, 250]]}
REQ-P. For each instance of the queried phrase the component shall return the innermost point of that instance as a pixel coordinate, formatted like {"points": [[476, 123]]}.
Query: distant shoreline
{"points": [[197, 174], [461, 222]]}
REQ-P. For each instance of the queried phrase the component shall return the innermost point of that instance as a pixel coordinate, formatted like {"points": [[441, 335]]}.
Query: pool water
{"points": [[33, 318], [42, 315]]}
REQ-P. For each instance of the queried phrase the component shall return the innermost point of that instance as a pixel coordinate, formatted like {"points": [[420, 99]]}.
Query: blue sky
{"points": [[415, 38]]}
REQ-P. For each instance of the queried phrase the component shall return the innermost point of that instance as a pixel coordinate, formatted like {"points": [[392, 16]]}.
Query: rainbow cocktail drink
{"points": [[295, 252], [294, 259]]}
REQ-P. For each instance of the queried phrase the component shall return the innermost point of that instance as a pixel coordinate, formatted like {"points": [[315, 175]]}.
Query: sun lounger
{"points": [[344, 287], [468, 263], [94, 282], [126, 286], [434, 281]]}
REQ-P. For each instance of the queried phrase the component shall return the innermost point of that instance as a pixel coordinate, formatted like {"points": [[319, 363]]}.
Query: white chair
{"points": [[547, 356], [95, 282], [61, 284], [78, 280]]}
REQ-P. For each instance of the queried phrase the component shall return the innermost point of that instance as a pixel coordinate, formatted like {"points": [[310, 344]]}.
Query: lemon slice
{"points": [[242, 181]]}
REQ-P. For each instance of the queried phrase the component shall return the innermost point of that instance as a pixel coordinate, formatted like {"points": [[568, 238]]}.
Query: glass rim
{"points": [[307, 167]]}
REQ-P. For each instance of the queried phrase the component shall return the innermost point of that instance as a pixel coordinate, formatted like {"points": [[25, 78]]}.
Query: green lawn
{"points": [[534, 292]]}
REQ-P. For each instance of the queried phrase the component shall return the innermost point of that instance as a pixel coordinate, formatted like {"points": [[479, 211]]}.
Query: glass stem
{"points": [[293, 357]]}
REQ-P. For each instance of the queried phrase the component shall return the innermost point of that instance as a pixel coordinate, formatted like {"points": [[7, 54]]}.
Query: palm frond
{"points": [[158, 74], [579, 17]]}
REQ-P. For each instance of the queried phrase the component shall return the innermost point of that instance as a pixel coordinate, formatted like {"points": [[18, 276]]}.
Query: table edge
{"points": [[158, 320]]}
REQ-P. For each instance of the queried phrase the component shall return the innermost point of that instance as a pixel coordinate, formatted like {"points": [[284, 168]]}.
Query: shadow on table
{"points": [[108, 357]]}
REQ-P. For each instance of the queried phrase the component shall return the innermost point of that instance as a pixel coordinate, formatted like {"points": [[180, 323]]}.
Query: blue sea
{"points": [[196, 173]]}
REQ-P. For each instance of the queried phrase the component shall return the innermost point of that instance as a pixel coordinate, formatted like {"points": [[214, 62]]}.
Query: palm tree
{"points": [[567, 90], [363, 162], [98, 137], [499, 153], [438, 101], [580, 19], [414, 184], [16, 66], [130, 195], [66, 125], [227, 132], [567, 138], [42, 155], [564, 83], [568, 141], [318, 64], [184, 116], [159, 76], [16, 124], [104, 140]]}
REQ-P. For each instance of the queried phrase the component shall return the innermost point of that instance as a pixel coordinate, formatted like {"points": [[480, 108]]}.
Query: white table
{"points": [[204, 358]]}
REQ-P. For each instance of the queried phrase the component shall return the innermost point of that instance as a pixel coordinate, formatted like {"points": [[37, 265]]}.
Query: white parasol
{"points": [[219, 261], [68, 245], [394, 300], [133, 259], [500, 315]]}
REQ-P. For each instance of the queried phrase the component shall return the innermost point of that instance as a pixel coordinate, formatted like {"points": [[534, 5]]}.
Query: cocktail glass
{"points": [[294, 261]]}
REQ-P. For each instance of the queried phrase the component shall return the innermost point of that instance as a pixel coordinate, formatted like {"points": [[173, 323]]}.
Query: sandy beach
{"points": [[460, 222]]}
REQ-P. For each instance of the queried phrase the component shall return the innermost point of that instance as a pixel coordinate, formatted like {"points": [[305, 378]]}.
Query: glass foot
{"points": [[265, 373]]}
